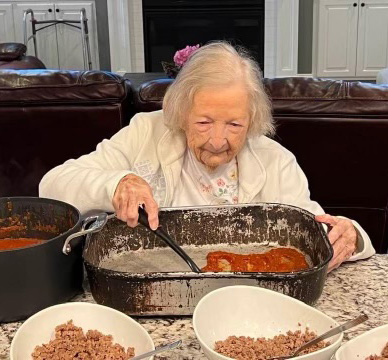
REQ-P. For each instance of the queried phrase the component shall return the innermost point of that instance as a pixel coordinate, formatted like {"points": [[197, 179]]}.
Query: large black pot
{"points": [[38, 276]]}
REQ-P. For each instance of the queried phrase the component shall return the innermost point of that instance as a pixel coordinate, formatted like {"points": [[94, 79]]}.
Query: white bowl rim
{"points": [[77, 303], [275, 293], [359, 337]]}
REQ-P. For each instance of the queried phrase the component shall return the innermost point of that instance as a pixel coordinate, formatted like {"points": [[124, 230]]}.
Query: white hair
{"points": [[218, 63]]}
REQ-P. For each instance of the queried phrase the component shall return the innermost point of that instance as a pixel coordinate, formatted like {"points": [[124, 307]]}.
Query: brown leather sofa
{"points": [[13, 56], [48, 117], [338, 131]]}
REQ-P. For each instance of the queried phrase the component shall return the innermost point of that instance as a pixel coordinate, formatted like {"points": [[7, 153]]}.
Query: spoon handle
{"points": [[143, 219], [349, 324], [167, 239], [158, 350]]}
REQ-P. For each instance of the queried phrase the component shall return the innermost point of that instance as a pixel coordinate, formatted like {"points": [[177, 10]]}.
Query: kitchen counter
{"points": [[349, 290]]}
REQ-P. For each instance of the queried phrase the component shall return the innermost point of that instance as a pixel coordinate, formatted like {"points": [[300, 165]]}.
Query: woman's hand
{"points": [[342, 236], [131, 192]]}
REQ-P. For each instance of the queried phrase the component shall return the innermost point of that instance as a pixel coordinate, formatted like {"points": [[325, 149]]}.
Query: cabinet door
{"points": [[372, 48], [337, 38], [7, 31], [46, 38], [69, 38]]}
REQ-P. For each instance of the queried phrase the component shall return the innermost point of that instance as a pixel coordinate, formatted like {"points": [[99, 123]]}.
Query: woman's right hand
{"points": [[131, 192]]}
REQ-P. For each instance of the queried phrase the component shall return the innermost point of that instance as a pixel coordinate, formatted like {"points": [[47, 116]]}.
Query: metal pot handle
{"points": [[96, 222]]}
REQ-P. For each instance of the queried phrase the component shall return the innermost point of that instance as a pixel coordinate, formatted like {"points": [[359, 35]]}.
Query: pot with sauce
{"points": [[34, 273]]}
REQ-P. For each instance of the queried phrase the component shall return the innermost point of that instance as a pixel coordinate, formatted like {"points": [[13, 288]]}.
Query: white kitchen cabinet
{"points": [[351, 38], [337, 38], [59, 46], [46, 39], [7, 29], [372, 48], [69, 39]]}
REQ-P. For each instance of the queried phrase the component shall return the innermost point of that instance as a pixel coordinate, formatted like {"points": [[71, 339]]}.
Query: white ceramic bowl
{"points": [[39, 328], [257, 312], [371, 342]]}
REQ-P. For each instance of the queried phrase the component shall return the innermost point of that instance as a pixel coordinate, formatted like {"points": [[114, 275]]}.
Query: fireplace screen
{"points": [[170, 25]]}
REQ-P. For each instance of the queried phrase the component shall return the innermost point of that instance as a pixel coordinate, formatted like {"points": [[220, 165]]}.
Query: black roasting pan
{"points": [[177, 293]]}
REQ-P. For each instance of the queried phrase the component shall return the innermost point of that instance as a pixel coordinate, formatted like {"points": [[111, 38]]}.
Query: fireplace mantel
{"points": [[280, 48]]}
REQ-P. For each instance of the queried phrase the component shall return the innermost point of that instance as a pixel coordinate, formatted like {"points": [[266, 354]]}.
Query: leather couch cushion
{"points": [[150, 95], [301, 96], [34, 139], [11, 51], [25, 62], [343, 158], [374, 221], [48, 117], [326, 97], [43, 87]]}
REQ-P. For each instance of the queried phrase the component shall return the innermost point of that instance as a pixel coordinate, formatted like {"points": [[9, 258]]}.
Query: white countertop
{"points": [[349, 290]]}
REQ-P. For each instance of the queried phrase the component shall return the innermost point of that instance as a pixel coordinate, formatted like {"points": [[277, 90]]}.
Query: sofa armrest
{"points": [[12, 51]]}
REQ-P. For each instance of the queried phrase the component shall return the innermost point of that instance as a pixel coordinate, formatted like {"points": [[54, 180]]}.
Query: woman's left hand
{"points": [[342, 236]]}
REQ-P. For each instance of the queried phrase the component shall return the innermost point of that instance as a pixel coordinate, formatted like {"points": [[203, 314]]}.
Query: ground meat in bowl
{"points": [[247, 348], [71, 343], [383, 356]]}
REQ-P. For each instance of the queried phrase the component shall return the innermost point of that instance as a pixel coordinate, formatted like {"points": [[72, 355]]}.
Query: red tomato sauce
{"points": [[10, 244], [275, 260]]}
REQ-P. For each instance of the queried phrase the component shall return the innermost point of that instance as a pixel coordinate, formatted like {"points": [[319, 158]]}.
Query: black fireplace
{"points": [[170, 25]]}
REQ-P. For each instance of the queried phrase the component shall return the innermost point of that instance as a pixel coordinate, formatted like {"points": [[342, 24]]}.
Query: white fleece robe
{"points": [[146, 147]]}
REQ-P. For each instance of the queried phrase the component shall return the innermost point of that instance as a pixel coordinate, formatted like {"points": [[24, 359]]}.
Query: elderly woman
{"points": [[207, 146]]}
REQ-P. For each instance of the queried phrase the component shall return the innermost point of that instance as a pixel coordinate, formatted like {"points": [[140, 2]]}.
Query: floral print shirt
{"points": [[199, 186]]}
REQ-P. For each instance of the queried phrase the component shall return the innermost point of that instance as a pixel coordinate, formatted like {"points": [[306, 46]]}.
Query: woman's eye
{"points": [[235, 124], [203, 122]]}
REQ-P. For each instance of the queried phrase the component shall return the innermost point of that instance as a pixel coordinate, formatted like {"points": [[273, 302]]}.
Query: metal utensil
{"points": [[143, 219], [349, 324], [158, 350]]}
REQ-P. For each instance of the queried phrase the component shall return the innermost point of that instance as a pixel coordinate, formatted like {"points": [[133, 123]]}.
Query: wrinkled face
{"points": [[217, 125]]}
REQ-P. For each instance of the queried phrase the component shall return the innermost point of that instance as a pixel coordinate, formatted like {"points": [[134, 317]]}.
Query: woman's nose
{"points": [[218, 137]]}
